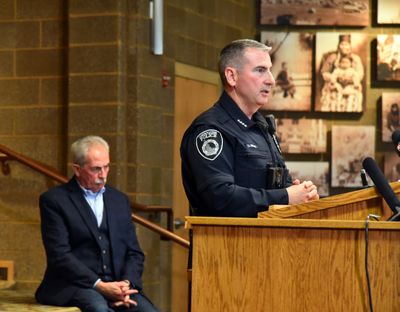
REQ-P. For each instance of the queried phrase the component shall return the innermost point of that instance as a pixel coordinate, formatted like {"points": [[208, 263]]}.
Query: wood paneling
{"points": [[354, 205], [293, 265], [191, 98]]}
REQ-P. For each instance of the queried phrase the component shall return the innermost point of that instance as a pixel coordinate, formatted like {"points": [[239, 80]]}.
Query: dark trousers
{"points": [[89, 300]]}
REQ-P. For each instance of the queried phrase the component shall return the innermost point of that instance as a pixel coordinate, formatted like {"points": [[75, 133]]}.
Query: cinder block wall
{"points": [[32, 121], [71, 68]]}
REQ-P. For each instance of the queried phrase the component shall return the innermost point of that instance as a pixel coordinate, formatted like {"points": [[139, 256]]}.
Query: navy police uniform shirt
{"points": [[225, 159]]}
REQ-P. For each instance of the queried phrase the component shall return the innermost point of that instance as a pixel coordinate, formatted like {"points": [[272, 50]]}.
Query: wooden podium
{"points": [[308, 257]]}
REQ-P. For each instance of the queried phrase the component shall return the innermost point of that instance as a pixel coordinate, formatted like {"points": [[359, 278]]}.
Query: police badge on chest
{"points": [[209, 144]]}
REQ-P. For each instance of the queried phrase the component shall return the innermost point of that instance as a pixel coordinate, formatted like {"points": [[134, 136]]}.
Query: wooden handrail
{"points": [[163, 232], [33, 164], [5, 168], [52, 173]]}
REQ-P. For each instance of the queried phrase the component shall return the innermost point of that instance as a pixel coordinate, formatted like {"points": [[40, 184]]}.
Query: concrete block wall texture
{"points": [[32, 100]]}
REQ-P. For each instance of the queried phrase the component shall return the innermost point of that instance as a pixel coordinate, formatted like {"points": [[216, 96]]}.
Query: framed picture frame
{"points": [[318, 172], [301, 136], [350, 145], [388, 58], [388, 12], [293, 76], [390, 120], [314, 12], [340, 72], [391, 166]]}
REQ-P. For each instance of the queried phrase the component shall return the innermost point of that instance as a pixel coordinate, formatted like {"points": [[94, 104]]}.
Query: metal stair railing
{"points": [[10, 155]]}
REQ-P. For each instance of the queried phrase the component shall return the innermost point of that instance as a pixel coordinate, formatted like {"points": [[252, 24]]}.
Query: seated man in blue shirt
{"points": [[94, 260]]}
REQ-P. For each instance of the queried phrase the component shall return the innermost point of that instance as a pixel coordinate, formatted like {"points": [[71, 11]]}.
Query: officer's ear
{"points": [[231, 76]]}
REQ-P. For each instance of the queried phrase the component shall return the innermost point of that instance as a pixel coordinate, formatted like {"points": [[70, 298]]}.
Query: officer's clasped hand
{"points": [[302, 192]]}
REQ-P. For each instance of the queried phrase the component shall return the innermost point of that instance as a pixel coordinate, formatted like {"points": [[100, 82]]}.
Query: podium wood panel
{"points": [[355, 205], [293, 265]]}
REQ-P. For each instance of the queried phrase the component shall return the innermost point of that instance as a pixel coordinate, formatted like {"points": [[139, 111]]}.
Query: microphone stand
{"points": [[396, 215], [364, 180]]}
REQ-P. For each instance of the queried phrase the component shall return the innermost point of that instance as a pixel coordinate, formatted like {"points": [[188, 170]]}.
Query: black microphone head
{"points": [[381, 184], [396, 140]]}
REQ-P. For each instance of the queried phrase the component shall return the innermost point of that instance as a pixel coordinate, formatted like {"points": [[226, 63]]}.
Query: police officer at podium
{"points": [[232, 165]]}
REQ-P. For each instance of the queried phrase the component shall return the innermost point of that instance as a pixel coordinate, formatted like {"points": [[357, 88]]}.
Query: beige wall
{"points": [[33, 101], [72, 68]]}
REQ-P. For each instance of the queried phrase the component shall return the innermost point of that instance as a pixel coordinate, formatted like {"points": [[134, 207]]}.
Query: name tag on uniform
{"points": [[250, 145]]}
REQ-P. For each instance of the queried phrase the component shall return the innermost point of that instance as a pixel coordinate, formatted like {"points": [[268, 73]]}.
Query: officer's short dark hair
{"points": [[232, 54]]}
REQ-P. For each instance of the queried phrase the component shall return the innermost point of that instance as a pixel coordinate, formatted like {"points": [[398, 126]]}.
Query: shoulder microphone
{"points": [[271, 123], [272, 129], [383, 187]]}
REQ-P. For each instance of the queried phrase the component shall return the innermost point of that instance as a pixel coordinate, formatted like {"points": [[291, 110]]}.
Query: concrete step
{"points": [[11, 300]]}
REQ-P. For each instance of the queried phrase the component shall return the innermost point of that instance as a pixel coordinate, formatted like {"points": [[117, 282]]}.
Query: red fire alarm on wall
{"points": [[165, 78]]}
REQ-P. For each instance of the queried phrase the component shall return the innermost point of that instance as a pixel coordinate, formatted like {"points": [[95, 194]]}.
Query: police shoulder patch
{"points": [[209, 144]]}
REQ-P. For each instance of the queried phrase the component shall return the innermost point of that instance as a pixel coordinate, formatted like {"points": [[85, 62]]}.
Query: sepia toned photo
{"points": [[340, 72], [315, 12], [350, 145], [293, 75], [301, 136], [388, 57], [391, 167], [318, 172], [388, 11], [390, 114]]}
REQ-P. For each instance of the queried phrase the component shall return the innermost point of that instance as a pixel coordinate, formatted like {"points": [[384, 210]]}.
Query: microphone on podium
{"points": [[396, 140], [383, 187]]}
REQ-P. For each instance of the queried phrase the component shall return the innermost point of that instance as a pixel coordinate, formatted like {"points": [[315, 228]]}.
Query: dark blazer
{"points": [[69, 235]]}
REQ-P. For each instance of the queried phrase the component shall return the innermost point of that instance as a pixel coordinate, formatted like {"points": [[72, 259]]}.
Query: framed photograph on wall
{"points": [[318, 172], [388, 57], [293, 76], [314, 12], [388, 12], [340, 72], [390, 115], [301, 136], [350, 145], [391, 166]]}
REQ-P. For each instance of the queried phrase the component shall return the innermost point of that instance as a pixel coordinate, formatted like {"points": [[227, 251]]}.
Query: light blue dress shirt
{"points": [[95, 201]]}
